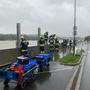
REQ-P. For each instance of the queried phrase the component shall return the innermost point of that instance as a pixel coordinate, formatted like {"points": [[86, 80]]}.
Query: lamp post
{"points": [[74, 28]]}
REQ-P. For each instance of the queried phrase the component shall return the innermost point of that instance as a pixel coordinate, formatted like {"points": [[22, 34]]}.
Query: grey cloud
{"points": [[55, 16]]}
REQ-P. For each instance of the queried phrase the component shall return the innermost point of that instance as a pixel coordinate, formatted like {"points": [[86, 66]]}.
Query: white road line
{"points": [[56, 70], [61, 69]]}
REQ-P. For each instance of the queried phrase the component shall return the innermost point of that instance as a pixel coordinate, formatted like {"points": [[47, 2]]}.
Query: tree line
{"points": [[14, 37], [87, 38]]}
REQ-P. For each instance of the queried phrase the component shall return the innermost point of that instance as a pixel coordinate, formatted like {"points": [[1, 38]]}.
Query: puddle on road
{"points": [[57, 56]]}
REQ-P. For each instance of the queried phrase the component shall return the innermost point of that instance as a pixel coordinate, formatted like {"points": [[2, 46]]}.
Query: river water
{"points": [[12, 44]]}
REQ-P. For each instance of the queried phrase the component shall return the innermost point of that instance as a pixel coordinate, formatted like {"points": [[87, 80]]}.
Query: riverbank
{"points": [[9, 44]]}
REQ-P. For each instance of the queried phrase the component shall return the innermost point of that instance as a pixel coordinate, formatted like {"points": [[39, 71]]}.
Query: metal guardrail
{"points": [[4, 65]]}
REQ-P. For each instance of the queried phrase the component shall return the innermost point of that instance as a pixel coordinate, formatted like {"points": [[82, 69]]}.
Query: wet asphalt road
{"points": [[85, 82], [56, 79]]}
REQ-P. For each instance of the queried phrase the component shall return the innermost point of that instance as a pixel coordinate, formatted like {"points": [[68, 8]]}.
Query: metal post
{"points": [[18, 26], [39, 34], [74, 28]]}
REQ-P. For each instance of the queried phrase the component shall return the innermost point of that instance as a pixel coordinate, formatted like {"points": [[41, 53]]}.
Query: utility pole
{"points": [[74, 28]]}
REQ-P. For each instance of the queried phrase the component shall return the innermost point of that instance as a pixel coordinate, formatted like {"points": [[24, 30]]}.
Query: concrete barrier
{"points": [[33, 50], [8, 55]]}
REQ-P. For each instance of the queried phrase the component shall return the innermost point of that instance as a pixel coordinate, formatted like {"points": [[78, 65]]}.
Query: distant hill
{"points": [[29, 37]]}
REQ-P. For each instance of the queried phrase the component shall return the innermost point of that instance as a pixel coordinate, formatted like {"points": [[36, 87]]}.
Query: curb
{"points": [[80, 74], [69, 86], [74, 83]]}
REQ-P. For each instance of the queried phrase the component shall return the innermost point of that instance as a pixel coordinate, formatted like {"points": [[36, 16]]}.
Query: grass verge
{"points": [[70, 59]]}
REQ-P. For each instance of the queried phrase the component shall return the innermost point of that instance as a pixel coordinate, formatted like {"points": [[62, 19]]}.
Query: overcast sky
{"points": [[54, 16]]}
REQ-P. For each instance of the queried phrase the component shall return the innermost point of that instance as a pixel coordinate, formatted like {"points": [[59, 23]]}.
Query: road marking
{"points": [[61, 69], [56, 70]]}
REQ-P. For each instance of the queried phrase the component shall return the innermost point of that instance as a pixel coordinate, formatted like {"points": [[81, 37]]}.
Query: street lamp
{"points": [[74, 28]]}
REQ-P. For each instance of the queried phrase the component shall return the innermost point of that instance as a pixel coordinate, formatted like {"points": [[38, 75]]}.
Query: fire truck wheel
{"points": [[48, 65], [40, 70], [6, 82], [23, 84]]}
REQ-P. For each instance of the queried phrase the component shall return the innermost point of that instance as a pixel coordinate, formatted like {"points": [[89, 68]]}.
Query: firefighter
{"points": [[57, 45], [42, 44], [70, 44], [46, 37], [51, 43], [24, 46], [64, 45], [46, 41]]}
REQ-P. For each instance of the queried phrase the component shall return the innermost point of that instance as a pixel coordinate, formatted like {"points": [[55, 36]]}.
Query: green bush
{"points": [[70, 58]]}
